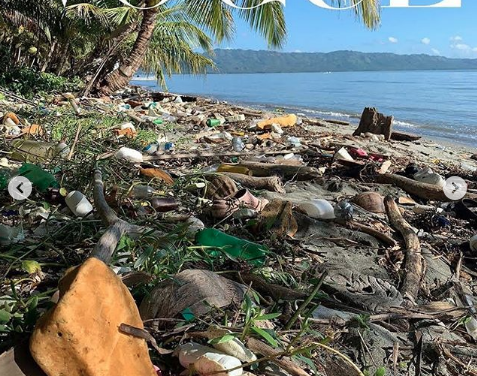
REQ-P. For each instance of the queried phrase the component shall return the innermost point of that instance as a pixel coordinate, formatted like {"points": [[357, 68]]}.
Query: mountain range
{"points": [[250, 61]]}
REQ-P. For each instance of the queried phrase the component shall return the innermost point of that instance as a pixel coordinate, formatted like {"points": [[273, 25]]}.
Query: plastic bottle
{"points": [[235, 247], [213, 122], [344, 210], [166, 146], [78, 204], [277, 129], [142, 191], [39, 178], [36, 151], [426, 175], [294, 142], [238, 144], [318, 209], [235, 118], [151, 148], [130, 155]]}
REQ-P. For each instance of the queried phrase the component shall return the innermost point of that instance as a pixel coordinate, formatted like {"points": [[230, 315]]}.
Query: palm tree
{"points": [[91, 38], [214, 16], [217, 18]]}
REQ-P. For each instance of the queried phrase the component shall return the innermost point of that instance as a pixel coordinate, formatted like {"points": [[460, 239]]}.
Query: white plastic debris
{"points": [[130, 155], [234, 347], [128, 126], [426, 175], [207, 361], [318, 209], [343, 155], [78, 204]]}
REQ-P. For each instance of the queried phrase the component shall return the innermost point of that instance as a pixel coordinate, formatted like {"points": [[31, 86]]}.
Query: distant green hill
{"points": [[248, 61]]}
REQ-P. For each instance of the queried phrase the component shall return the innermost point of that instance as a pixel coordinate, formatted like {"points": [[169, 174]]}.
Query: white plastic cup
{"points": [[318, 209], [130, 155], [343, 155], [473, 243], [78, 204]]}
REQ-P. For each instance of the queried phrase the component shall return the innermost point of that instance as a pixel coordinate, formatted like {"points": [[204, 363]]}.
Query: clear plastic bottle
{"points": [[142, 191], [238, 144]]}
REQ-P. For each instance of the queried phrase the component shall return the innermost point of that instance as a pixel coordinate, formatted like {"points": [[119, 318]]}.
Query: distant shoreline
{"points": [[251, 61]]}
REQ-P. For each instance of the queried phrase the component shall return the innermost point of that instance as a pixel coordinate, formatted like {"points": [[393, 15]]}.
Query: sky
{"points": [[448, 32]]}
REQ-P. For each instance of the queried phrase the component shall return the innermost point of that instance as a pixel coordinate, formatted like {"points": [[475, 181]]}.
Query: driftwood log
{"points": [[413, 187], [374, 122], [270, 183], [400, 136], [413, 263], [353, 225], [286, 171]]}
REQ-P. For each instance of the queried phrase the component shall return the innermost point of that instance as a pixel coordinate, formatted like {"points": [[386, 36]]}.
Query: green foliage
{"points": [[27, 82]]}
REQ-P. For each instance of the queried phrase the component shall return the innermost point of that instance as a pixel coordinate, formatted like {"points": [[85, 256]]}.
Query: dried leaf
{"points": [[157, 173]]}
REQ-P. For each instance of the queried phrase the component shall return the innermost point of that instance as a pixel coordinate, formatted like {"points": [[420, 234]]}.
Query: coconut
{"points": [[370, 201]]}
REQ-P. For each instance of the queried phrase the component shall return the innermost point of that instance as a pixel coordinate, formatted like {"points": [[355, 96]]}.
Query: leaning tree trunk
{"points": [[121, 76]]}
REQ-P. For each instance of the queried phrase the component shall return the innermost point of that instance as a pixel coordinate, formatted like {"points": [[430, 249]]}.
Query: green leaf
{"points": [[268, 316], [31, 266], [33, 303], [4, 316], [224, 339], [307, 361], [265, 335], [381, 371]]}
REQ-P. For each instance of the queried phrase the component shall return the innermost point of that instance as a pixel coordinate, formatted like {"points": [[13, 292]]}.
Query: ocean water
{"points": [[437, 104]]}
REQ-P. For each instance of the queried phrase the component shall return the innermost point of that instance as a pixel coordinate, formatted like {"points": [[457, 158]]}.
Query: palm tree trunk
{"points": [[121, 76], [48, 58]]}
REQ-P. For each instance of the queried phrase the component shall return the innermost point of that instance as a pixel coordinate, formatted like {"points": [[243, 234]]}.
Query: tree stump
{"points": [[374, 122]]}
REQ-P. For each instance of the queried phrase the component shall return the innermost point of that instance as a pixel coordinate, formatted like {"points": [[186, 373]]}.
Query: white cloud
{"points": [[456, 38], [435, 51], [425, 41], [393, 40], [461, 46]]}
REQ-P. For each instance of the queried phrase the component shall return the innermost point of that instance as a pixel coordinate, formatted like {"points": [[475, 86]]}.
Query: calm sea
{"points": [[438, 104]]}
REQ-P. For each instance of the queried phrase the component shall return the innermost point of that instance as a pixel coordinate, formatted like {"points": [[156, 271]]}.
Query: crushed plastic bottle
{"points": [[37, 151], [142, 191], [294, 142], [344, 210], [234, 247], [238, 144]]}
